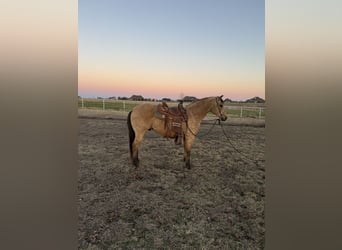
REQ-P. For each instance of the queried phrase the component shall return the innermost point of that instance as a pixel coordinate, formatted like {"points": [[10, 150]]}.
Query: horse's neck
{"points": [[198, 110]]}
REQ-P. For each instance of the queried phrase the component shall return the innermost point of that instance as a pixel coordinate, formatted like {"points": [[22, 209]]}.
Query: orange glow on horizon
{"points": [[170, 84]]}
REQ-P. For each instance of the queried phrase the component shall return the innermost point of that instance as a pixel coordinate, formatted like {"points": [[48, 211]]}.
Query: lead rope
{"points": [[216, 120], [238, 151], [205, 134]]}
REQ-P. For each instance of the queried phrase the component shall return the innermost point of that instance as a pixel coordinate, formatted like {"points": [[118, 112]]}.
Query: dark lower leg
{"points": [[135, 155], [135, 159], [136, 162], [187, 160], [187, 163]]}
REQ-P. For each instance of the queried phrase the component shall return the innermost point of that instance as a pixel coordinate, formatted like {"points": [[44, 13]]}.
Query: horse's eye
{"points": [[221, 105]]}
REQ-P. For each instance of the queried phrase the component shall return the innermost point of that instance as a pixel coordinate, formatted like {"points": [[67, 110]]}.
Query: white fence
{"points": [[127, 105], [243, 111]]}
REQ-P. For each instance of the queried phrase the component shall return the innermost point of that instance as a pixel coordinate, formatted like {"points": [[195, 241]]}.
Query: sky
{"points": [[171, 48]]}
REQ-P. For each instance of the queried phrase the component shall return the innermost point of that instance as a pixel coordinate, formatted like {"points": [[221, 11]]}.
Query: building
{"points": [[189, 99], [255, 99], [136, 98], [166, 99]]}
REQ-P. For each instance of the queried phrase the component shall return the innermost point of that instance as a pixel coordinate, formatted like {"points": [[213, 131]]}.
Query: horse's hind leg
{"points": [[135, 153], [135, 159], [135, 156]]}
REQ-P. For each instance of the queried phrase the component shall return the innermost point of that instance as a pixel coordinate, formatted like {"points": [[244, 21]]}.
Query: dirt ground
{"points": [[217, 204]]}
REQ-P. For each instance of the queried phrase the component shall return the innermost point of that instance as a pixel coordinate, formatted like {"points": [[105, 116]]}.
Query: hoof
{"points": [[136, 162]]}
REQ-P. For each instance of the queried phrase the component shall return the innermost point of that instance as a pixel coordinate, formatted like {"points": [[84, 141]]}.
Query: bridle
{"points": [[219, 108]]}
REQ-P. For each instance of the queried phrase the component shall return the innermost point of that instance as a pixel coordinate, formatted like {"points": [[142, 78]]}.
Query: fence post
{"points": [[103, 103], [259, 113], [82, 103], [124, 105], [241, 112]]}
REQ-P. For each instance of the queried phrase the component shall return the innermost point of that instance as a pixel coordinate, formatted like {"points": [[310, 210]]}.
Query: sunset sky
{"points": [[171, 48]]}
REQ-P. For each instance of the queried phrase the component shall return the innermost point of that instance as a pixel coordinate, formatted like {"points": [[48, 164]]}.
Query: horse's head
{"points": [[218, 108]]}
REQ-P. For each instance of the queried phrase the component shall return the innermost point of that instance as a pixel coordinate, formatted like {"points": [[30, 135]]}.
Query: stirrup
{"points": [[178, 140]]}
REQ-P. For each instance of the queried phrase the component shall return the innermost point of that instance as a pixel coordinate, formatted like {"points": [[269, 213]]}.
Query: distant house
{"points": [[112, 98], [189, 99], [136, 98], [99, 97], [255, 99], [166, 99]]}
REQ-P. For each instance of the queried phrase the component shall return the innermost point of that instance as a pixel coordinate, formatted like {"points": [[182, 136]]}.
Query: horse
{"points": [[142, 118]]}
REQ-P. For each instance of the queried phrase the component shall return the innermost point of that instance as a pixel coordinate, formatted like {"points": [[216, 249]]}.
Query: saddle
{"points": [[173, 118]]}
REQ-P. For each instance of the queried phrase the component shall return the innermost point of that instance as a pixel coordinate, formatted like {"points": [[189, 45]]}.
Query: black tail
{"points": [[131, 132]]}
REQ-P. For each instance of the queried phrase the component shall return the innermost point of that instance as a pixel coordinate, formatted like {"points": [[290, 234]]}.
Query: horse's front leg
{"points": [[188, 140]]}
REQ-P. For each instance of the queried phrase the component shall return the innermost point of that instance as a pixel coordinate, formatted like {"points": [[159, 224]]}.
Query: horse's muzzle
{"points": [[223, 118]]}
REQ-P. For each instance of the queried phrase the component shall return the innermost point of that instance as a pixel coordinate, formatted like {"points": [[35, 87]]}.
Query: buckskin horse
{"points": [[144, 117]]}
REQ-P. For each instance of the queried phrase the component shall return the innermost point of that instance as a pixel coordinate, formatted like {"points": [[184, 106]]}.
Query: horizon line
{"points": [[160, 98]]}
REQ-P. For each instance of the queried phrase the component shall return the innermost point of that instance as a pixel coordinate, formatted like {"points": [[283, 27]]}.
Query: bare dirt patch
{"points": [[218, 204]]}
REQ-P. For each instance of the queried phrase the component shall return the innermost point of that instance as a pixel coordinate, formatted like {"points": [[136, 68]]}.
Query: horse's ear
{"points": [[221, 96]]}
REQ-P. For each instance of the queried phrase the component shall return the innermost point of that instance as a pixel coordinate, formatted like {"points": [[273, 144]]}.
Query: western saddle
{"points": [[173, 120]]}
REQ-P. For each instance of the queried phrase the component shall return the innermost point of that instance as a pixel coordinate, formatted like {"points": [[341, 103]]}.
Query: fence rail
{"points": [[127, 105]]}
